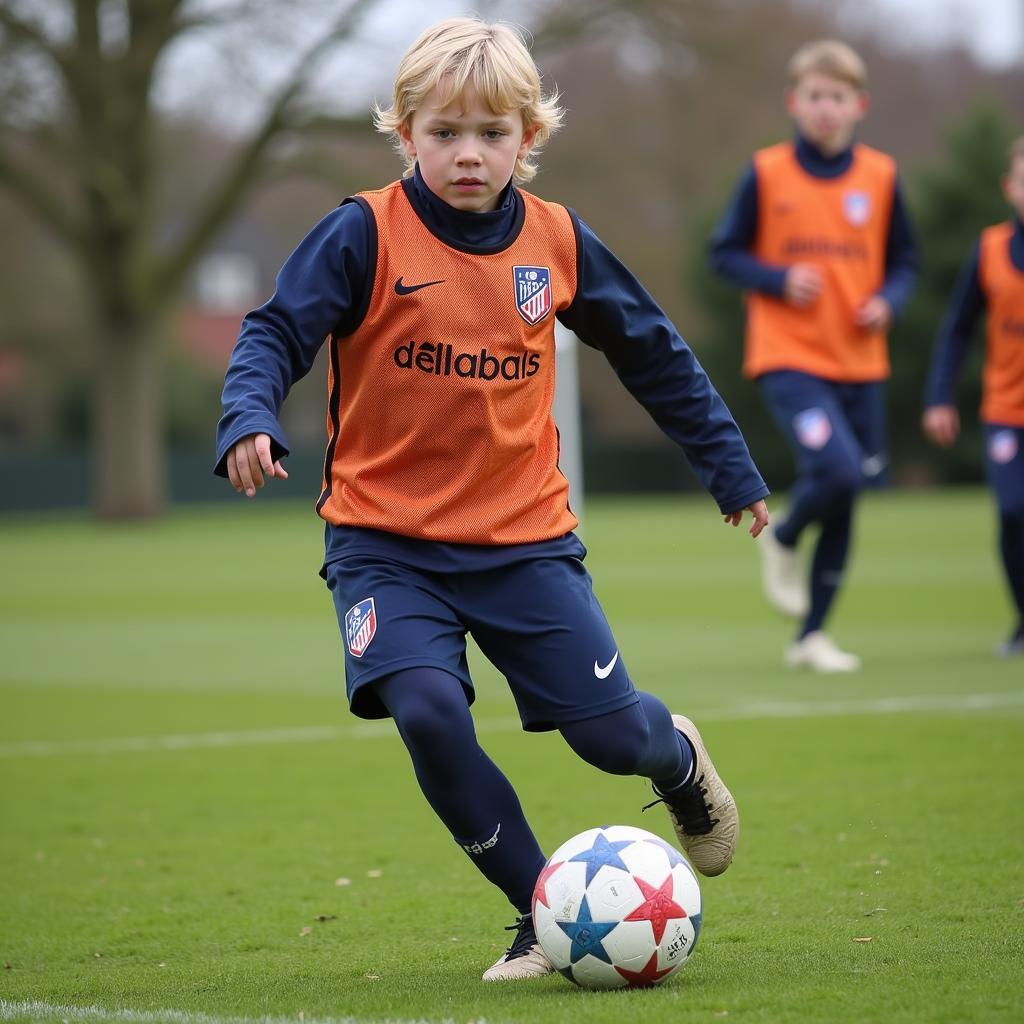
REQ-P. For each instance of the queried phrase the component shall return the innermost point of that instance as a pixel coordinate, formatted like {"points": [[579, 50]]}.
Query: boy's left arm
{"points": [[901, 269], [613, 312], [941, 420]]}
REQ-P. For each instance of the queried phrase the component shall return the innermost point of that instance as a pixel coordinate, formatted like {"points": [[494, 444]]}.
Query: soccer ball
{"points": [[617, 906]]}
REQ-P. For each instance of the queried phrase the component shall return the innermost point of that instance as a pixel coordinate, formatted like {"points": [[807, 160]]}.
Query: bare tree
{"points": [[76, 148], [78, 122]]}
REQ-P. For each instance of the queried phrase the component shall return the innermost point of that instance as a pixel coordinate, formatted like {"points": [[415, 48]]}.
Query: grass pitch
{"points": [[195, 830]]}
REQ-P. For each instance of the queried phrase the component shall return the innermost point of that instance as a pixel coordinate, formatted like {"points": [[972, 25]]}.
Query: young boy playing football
{"points": [[445, 510], [992, 281], [818, 236]]}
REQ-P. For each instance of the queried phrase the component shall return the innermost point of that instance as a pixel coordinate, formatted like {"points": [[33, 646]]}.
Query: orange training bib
{"points": [[439, 419]]}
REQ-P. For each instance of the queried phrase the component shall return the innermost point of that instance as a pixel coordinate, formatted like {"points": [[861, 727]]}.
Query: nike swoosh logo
{"points": [[606, 671], [408, 289]]}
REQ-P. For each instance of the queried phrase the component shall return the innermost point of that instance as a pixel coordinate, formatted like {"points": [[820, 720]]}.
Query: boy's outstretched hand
{"points": [[249, 460], [759, 510]]}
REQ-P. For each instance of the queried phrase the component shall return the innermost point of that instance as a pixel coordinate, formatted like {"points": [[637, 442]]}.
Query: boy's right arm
{"points": [[320, 291], [941, 421], [731, 257]]}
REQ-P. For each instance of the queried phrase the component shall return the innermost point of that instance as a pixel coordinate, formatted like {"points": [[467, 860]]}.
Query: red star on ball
{"points": [[648, 976], [659, 908], [540, 893]]}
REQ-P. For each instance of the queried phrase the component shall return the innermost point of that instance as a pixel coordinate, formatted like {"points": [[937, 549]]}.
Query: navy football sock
{"points": [[636, 740], [683, 774], [467, 791], [639, 739], [1011, 547], [827, 566]]}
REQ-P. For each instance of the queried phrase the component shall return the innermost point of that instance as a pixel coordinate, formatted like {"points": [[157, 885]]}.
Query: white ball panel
{"points": [[685, 890], [647, 860], [613, 895], [593, 973], [565, 891], [555, 943], [676, 944], [631, 944]]}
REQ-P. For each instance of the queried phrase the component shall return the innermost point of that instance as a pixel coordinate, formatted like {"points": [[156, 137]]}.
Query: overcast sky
{"points": [[194, 73], [992, 29]]}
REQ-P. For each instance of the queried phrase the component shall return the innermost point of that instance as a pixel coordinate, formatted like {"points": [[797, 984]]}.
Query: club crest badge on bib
{"points": [[857, 208], [533, 292]]}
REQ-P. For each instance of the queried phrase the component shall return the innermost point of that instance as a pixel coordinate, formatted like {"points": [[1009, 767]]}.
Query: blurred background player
{"points": [[445, 510], [991, 280], [818, 236]]}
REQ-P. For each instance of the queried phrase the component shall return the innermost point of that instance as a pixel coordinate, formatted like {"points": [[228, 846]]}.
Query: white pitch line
{"points": [[39, 1011], [950, 703], [188, 741], [745, 711]]}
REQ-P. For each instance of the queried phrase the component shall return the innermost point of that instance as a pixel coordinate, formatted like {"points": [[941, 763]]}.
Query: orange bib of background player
{"points": [[1003, 285], [842, 225]]}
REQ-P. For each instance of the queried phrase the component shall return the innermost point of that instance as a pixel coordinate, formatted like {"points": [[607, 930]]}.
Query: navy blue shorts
{"points": [[1004, 460], [536, 620], [827, 422]]}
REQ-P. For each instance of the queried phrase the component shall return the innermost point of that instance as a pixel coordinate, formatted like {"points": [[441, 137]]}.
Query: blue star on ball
{"points": [[602, 854], [586, 935]]}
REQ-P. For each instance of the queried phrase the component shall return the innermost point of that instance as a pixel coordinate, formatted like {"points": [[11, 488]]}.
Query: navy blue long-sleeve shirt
{"points": [[733, 238], [324, 289], [966, 305]]}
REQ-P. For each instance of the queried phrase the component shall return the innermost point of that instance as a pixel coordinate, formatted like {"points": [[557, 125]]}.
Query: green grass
{"points": [[194, 879]]}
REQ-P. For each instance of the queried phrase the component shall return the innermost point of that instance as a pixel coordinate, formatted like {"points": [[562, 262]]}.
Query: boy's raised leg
{"points": [[702, 810]]}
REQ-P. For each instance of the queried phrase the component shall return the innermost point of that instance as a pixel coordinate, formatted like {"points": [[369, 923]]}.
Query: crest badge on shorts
{"points": [[360, 626], [813, 428], [857, 208], [1002, 446], [533, 293]]}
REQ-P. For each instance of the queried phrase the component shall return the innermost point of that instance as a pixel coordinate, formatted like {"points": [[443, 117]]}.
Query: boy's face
{"points": [[826, 110], [466, 153], [1013, 186]]}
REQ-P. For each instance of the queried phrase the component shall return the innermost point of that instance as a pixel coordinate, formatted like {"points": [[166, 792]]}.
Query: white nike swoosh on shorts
{"points": [[604, 673]]}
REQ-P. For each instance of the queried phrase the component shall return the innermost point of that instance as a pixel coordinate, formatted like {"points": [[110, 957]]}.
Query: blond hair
{"points": [[828, 57], [494, 57]]}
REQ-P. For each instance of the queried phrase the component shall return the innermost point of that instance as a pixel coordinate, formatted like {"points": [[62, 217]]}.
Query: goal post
{"points": [[566, 411]]}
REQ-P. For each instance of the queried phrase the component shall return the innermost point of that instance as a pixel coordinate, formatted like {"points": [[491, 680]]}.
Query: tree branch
{"points": [[23, 31], [318, 164], [29, 35], [222, 199], [211, 18], [26, 186], [333, 125], [571, 22]]}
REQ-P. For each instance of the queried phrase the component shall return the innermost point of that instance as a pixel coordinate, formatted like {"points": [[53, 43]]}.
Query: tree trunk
{"points": [[129, 462]]}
